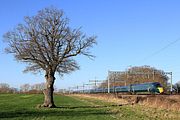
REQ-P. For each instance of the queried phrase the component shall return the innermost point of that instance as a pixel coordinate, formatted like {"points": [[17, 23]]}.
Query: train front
{"points": [[159, 88]]}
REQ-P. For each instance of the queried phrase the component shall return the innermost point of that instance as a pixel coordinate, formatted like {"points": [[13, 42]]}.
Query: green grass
{"points": [[23, 107]]}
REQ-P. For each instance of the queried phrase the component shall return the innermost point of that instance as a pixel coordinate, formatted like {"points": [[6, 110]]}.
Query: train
{"points": [[149, 87]]}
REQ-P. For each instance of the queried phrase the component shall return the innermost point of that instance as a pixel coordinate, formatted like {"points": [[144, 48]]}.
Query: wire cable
{"points": [[162, 49]]}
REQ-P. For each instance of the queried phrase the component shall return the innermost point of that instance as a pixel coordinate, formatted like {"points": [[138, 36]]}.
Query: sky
{"points": [[129, 33]]}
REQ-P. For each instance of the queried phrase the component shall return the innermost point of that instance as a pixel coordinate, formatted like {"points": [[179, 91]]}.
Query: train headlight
{"points": [[161, 90]]}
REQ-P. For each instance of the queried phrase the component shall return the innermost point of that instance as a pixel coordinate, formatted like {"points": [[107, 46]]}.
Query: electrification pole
{"points": [[108, 82], [171, 83], [95, 82]]}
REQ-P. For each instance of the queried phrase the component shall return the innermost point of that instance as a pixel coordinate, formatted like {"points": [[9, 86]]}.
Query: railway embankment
{"points": [[170, 102]]}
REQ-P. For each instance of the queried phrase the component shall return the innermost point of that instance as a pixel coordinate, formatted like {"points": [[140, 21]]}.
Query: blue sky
{"points": [[129, 33]]}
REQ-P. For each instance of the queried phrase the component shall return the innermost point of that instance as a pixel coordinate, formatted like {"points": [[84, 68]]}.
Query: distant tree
{"points": [[25, 87], [14, 90], [38, 86], [143, 74], [4, 85], [4, 88], [136, 75], [176, 87], [46, 43]]}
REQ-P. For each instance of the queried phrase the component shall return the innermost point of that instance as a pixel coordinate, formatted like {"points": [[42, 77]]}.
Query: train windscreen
{"points": [[158, 85]]}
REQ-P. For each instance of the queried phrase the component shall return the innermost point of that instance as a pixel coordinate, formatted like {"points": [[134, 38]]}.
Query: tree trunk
{"points": [[48, 91]]}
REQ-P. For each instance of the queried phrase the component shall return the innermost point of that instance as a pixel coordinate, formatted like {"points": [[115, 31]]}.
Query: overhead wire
{"points": [[160, 50]]}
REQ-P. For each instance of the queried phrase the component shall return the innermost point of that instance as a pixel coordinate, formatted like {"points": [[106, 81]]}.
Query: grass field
{"points": [[22, 107]]}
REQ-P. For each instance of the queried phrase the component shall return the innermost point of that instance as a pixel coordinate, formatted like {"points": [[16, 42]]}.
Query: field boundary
{"points": [[168, 102]]}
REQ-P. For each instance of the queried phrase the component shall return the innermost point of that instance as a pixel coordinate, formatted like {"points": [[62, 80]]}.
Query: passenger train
{"points": [[150, 87]]}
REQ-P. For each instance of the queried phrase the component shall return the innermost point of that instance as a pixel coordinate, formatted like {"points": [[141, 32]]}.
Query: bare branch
{"points": [[46, 42]]}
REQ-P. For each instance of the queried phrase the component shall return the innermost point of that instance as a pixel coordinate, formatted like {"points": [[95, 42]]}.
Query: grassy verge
{"points": [[135, 112], [23, 107]]}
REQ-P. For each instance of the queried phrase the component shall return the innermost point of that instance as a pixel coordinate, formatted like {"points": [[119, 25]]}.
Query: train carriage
{"points": [[150, 87]]}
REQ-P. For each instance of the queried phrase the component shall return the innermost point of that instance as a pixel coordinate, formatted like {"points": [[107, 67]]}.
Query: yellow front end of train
{"points": [[161, 90]]}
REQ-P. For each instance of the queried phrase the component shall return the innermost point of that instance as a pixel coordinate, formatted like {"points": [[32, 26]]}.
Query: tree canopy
{"points": [[46, 41]]}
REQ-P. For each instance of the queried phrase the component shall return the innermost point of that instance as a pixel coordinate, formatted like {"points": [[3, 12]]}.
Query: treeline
{"points": [[176, 87], [35, 88], [136, 75], [25, 88], [5, 88]]}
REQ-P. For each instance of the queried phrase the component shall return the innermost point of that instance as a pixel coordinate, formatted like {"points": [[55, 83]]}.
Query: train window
{"points": [[158, 85]]}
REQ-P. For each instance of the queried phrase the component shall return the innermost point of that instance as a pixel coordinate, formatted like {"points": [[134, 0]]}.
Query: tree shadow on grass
{"points": [[63, 111], [97, 106]]}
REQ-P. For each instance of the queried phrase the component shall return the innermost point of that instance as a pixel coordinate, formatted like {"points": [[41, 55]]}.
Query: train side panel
{"points": [[122, 89]]}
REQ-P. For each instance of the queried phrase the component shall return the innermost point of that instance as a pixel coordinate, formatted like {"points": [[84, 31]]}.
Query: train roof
{"points": [[147, 83]]}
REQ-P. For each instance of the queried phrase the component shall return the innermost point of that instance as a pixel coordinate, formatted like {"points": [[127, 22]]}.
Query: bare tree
{"points": [[136, 75], [4, 88], [46, 43], [4, 85], [142, 74], [176, 87], [38, 87], [25, 88]]}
